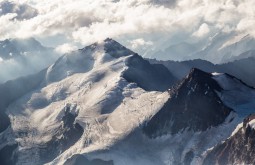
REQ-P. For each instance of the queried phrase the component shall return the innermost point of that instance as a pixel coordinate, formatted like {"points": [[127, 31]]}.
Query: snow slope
{"points": [[236, 94], [87, 88]]}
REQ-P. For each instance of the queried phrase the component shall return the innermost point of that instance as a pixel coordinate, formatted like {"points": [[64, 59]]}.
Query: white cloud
{"points": [[22, 10], [7, 26], [140, 43], [202, 31], [65, 48], [89, 21]]}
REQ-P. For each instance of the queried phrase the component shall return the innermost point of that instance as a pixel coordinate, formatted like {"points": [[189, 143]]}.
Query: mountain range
{"points": [[242, 68], [218, 49], [22, 57], [105, 104]]}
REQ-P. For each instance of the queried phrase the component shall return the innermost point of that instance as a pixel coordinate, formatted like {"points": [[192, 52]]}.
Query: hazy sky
{"points": [[138, 24]]}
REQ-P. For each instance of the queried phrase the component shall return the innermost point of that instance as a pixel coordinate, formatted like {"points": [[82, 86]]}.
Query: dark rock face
{"points": [[238, 149], [115, 49], [7, 155], [4, 121], [151, 77], [81, 160], [193, 105], [70, 133], [188, 158]]}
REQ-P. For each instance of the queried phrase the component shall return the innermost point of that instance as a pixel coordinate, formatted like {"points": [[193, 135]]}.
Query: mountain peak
{"points": [[198, 77], [115, 49], [110, 47], [109, 40], [193, 105], [195, 72]]}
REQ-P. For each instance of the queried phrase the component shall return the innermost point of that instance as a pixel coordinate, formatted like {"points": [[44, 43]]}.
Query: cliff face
{"points": [[237, 149]]}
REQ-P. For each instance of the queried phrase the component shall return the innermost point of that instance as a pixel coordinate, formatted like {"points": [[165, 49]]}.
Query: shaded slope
{"points": [[13, 90], [151, 77], [194, 105]]}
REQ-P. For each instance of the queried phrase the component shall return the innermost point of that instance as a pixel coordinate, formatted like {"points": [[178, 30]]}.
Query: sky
{"points": [[138, 24]]}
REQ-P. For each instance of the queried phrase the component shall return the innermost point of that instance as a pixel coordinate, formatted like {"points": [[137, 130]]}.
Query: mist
{"points": [[26, 64]]}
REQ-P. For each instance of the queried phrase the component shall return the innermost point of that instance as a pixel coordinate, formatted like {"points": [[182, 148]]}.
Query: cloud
{"points": [[22, 11], [202, 31], [167, 3], [7, 26], [28, 63], [65, 48], [146, 26], [158, 21], [247, 24], [28, 56], [140, 43]]}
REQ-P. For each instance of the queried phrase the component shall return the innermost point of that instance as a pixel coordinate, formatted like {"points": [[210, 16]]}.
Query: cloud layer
{"points": [[22, 11], [128, 21]]}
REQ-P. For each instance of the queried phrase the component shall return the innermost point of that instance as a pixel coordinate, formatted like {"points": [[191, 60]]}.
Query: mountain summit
{"points": [[194, 105]]}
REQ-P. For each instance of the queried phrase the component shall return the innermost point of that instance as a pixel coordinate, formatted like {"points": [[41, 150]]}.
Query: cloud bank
{"points": [[22, 11], [156, 21]]}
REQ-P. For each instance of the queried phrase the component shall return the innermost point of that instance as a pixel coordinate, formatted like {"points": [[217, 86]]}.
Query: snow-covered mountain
{"points": [[224, 48], [219, 48], [197, 92], [105, 104], [176, 52], [81, 90], [21, 57], [11, 48], [243, 68]]}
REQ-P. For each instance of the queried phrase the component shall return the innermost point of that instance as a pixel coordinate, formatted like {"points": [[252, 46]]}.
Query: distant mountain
{"points": [[11, 48], [21, 57], [243, 68], [218, 49], [237, 48], [226, 48], [177, 52]]}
